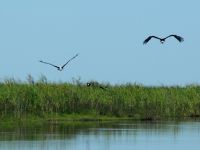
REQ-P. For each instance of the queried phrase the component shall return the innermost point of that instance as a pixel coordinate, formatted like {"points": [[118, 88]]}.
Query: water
{"points": [[124, 135]]}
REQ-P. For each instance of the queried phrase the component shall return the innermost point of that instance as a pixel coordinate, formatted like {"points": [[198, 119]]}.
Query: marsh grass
{"points": [[43, 98]]}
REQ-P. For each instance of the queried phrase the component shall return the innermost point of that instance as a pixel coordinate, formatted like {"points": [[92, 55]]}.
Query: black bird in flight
{"points": [[162, 40], [60, 68]]}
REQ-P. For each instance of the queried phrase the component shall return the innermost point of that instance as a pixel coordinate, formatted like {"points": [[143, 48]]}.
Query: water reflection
{"points": [[102, 136]]}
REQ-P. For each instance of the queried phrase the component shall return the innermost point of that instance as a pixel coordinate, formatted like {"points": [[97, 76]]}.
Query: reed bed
{"points": [[129, 100]]}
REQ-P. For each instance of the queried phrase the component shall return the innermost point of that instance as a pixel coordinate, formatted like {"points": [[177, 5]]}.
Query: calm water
{"points": [[125, 135]]}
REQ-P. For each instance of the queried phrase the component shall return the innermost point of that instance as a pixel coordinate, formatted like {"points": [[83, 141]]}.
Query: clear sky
{"points": [[108, 36]]}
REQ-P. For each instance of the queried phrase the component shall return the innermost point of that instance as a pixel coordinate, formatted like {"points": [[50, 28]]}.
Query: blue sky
{"points": [[108, 36]]}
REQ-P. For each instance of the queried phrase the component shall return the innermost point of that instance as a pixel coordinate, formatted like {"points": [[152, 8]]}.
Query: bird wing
{"points": [[49, 64], [149, 38], [180, 39], [69, 61]]}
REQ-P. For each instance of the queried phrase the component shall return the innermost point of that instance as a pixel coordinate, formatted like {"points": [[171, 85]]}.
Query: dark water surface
{"points": [[121, 135]]}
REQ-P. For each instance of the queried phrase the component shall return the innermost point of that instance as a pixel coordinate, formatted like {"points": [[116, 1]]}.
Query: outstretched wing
{"points": [[179, 38], [149, 38], [69, 61], [49, 64]]}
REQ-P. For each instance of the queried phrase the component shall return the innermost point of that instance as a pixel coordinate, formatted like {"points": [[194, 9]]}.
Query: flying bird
{"points": [[60, 68], [162, 40]]}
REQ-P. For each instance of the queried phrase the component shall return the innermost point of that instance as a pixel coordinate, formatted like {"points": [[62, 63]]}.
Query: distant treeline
{"points": [[128, 100]]}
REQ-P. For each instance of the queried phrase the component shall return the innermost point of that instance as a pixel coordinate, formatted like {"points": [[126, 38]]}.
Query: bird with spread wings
{"points": [[60, 68], [162, 40]]}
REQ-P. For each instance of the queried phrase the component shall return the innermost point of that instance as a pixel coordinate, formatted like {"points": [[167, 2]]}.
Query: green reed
{"points": [[129, 100]]}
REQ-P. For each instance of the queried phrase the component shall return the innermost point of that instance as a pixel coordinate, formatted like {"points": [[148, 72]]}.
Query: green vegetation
{"points": [[48, 100]]}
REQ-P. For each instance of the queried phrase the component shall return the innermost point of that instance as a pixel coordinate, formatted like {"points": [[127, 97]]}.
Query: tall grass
{"points": [[128, 100]]}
